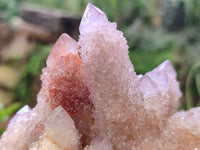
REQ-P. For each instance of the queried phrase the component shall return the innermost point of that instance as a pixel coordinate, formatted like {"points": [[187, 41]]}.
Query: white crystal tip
{"points": [[92, 14], [167, 66]]}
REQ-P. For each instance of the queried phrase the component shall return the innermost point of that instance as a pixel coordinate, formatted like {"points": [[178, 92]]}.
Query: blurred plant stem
{"points": [[6, 112], [188, 87]]}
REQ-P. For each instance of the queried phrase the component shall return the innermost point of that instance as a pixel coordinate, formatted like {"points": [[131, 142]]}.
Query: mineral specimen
{"points": [[92, 99]]}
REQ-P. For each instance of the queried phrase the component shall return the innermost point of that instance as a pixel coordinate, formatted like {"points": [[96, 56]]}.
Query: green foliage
{"points": [[59, 4], [122, 12], [126, 11], [146, 61], [197, 82], [192, 74], [1, 131], [24, 92], [149, 6], [3, 4], [5, 113], [148, 38], [192, 11], [9, 7]]}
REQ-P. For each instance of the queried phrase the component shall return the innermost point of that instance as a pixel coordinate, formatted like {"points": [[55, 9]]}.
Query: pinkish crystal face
{"points": [[64, 45], [92, 15], [63, 82], [92, 99]]}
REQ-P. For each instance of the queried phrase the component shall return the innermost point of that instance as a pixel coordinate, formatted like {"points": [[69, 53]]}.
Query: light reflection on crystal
{"points": [[92, 99]]}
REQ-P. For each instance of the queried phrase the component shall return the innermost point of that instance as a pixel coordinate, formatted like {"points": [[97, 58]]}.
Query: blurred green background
{"points": [[156, 30]]}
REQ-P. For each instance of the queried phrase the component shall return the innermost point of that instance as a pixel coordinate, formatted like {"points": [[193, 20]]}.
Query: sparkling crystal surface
{"points": [[59, 132], [92, 99]]}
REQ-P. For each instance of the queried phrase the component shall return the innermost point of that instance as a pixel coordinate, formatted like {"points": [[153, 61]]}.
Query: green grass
{"points": [[5, 113], [24, 91], [148, 60]]}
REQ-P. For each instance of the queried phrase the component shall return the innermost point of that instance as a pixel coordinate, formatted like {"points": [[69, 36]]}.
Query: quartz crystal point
{"points": [[20, 131], [62, 84], [59, 132], [91, 99], [113, 85], [161, 93]]}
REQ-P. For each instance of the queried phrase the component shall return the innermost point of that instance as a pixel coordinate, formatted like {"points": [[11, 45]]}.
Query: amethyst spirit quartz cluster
{"points": [[92, 99]]}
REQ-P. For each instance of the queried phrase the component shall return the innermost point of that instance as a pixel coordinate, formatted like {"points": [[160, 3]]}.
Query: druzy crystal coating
{"points": [[92, 99]]}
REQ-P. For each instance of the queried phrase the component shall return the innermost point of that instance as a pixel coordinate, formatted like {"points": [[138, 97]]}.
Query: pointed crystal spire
{"points": [[167, 67], [91, 15], [57, 123], [62, 47], [165, 77]]}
